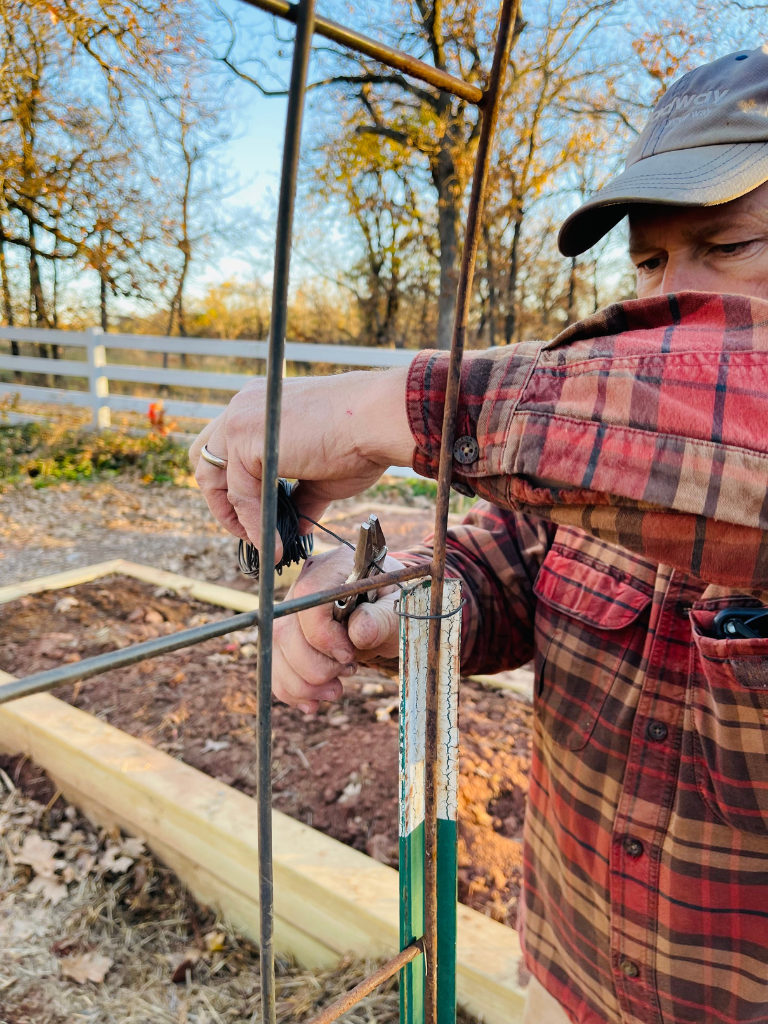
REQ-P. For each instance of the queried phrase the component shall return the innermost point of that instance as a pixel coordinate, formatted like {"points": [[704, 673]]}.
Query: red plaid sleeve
{"points": [[497, 554], [644, 425]]}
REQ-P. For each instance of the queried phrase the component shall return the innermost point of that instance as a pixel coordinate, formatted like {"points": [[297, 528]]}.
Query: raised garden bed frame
{"points": [[329, 898]]}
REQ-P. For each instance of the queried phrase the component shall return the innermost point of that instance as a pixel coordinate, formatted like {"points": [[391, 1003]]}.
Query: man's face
{"points": [[703, 249]]}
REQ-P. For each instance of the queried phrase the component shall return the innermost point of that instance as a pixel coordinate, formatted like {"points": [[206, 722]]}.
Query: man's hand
{"points": [[312, 652], [337, 436]]}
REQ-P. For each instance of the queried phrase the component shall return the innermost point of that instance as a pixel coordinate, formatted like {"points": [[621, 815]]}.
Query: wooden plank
{"points": [[59, 580], [330, 899], [519, 681], [53, 396], [199, 590], [33, 364]]}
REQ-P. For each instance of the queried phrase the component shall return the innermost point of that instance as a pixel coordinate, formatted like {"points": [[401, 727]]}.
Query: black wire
{"points": [[296, 548]]}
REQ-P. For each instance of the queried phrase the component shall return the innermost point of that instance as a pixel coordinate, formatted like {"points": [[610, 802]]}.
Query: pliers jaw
{"points": [[370, 552]]}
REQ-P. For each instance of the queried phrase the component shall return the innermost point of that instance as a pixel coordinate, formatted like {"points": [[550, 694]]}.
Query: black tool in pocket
{"points": [[741, 623]]}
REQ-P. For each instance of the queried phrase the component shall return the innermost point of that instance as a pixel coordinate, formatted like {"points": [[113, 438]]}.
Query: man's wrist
{"points": [[384, 433]]}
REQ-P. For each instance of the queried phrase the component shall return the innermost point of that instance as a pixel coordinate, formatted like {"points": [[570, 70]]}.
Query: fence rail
{"points": [[98, 372]]}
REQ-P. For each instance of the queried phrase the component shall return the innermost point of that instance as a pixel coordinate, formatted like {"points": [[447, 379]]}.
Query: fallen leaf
{"points": [[249, 651], [350, 793], [153, 617], [63, 832], [53, 892], [379, 847], [338, 720], [63, 947], [86, 967], [214, 746], [85, 864], [112, 861], [133, 847], [183, 962], [214, 941], [65, 603], [38, 853], [384, 711], [371, 689]]}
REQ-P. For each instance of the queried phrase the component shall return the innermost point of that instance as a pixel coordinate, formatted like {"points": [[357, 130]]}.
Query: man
{"points": [[625, 467]]}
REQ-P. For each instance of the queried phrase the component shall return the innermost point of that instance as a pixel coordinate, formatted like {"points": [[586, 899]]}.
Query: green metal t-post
{"points": [[413, 684]]}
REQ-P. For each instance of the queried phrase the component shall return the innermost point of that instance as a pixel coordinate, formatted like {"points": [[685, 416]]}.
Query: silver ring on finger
{"points": [[214, 460]]}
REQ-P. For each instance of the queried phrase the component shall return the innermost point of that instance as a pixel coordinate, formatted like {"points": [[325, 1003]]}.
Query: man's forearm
{"points": [[645, 425]]}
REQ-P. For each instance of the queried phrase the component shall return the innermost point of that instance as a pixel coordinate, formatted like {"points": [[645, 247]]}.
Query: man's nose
{"points": [[681, 274]]}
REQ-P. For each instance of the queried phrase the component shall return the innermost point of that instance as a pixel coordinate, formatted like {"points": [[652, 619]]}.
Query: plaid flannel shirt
{"points": [[626, 470]]}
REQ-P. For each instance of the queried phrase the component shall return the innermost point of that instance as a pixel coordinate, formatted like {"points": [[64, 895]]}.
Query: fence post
{"points": [[99, 383]]}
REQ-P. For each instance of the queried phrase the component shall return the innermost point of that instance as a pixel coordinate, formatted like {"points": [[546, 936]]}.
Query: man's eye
{"points": [[652, 264], [729, 248]]}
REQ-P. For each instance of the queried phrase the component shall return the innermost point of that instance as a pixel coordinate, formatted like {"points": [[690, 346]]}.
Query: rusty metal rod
{"points": [[42, 681], [384, 54], [490, 113], [347, 1001], [305, 24]]}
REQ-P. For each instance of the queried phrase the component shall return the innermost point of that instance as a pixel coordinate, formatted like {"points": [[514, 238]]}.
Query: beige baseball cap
{"points": [[705, 143]]}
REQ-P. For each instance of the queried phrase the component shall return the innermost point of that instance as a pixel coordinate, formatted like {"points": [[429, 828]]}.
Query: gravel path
{"points": [[71, 525], [75, 524]]}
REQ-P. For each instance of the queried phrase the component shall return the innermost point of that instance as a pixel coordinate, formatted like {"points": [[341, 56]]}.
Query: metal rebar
{"points": [[275, 356], [387, 970], [42, 681], [507, 20], [380, 52]]}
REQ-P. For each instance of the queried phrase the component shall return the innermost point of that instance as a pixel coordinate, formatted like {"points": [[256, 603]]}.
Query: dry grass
{"points": [[141, 918]]}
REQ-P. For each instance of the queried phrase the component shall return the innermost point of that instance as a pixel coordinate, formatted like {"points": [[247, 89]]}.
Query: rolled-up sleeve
{"points": [[646, 425], [497, 554]]}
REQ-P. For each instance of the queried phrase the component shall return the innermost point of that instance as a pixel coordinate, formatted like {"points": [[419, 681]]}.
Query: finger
{"points": [[308, 502], [377, 626], [314, 666], [289, 687], [244, 495], [202, 438], [221, 509], [212, 481]]}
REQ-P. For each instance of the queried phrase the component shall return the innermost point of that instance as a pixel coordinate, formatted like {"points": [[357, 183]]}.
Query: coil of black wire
{"points": [[296, 548]]}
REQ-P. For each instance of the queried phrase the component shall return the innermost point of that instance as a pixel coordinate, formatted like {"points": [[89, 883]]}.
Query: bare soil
{"points": [[336, 770]]}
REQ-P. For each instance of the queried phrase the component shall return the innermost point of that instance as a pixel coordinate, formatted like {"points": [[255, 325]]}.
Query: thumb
{"points": [[377, 626]]}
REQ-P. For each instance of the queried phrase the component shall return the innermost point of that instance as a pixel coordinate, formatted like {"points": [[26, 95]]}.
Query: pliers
{"points": [[370, 553]]}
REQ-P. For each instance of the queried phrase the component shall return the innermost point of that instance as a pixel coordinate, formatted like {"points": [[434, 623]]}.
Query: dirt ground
{"points": [[336, 770], [75, 524], [94, 931]]}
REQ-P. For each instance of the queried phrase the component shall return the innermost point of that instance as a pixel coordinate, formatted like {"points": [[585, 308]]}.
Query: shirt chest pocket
{"points": [[728, 696], [588, 623]]}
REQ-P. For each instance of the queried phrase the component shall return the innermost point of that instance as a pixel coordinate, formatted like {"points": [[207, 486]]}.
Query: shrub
{"points": [[47, 453]]}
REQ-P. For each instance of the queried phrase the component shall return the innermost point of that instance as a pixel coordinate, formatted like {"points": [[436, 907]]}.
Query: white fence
{"points": [[99, 372]]}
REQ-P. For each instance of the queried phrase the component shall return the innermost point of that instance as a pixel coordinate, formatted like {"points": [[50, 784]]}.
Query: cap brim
{"points": [[706, 176]]}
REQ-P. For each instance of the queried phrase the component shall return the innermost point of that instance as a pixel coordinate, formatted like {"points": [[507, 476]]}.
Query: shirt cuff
{"points": [[491, 386]]}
